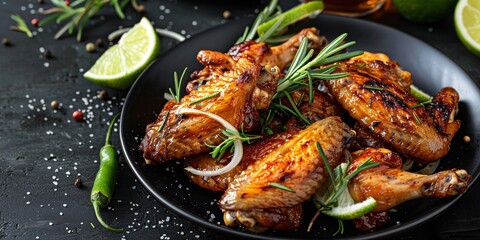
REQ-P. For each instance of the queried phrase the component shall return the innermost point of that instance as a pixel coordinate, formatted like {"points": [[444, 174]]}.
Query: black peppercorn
{"points": [[47, 54], [78, 183], [99, 43], [6, 42], [102, 94]]}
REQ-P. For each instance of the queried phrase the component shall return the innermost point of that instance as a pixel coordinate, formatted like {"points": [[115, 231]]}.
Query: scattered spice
{"points": [[102, 94], [78, 183], [227, 14], [140, 8], [47, 54], [99, 43], [34, 22], [54, 104], [77, 115], [6, 42], [90, 47], [466, 139]]}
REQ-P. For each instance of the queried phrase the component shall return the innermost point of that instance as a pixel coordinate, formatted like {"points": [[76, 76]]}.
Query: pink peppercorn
{"points": [[77, 115]]}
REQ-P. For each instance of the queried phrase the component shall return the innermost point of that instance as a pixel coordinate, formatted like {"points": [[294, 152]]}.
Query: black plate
{"points": [[431, 71]]}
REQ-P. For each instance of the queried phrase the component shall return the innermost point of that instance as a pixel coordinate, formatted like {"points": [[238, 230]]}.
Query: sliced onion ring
{"points": [[238, 147]]}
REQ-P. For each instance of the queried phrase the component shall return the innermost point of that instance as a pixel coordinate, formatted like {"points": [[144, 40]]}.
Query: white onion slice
{"points": [[167, 96], [238, 147]]}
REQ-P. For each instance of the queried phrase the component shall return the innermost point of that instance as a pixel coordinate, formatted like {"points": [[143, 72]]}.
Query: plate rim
{"points": [[223, 230]]}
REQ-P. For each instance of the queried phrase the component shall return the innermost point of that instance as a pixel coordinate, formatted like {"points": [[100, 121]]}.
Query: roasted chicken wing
{"points": [[296, 164], [390, 186], [251, 153], [259, 220], [376, 95], [233, 86]]}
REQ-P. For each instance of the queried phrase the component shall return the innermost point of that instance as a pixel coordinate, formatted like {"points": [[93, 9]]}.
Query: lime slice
{"points": [[349, 212], [425, 11], [122, 63], [419, 94], [346, 208], [467, 24], [291, 16]]}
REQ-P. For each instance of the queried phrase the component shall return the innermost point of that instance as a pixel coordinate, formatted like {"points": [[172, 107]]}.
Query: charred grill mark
{"points": [[285, 176], [375, 83], [392, 100], [238, 49], [244, 77]]}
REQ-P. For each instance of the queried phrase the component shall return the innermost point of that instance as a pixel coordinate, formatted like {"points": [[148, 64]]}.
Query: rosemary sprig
{"points": [[204, 98], [421, 104], [21, 25], [339, 182], [228, 138], [281, 186], [266, 14], [373, 88], [177, 84], [302, 63], [78, 13], [304, 70], [417, 119], [164, 121]]}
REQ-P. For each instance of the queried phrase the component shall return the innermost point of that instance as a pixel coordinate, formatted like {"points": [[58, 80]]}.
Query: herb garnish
{"points": [[339, 183], [178, 85], [164, 121], [77, 16], [266, 14], [281, 186], [373, 88], [21, 25], [204, 98], [417, 119], [228, 140], [301, 74], [421, 104]]}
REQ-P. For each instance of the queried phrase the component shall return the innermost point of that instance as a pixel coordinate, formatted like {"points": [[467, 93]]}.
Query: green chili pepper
{"points": [[104, 184]]}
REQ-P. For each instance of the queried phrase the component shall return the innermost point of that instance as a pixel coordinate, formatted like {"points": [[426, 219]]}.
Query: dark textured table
{"points": [[43, 150]]}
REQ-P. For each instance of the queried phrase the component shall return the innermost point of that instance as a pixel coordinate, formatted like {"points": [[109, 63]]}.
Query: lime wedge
{"points": [[349, 212], [291, 16], [467, 24], [419, 94], [425, 11], [346, 208], [122, 63]]}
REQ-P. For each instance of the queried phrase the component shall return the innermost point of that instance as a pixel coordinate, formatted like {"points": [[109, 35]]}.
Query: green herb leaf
{"points": [[228, 139], [21, 25], [177, 84], [205, 98], [281, 186], [263, 16], [421, 104]]}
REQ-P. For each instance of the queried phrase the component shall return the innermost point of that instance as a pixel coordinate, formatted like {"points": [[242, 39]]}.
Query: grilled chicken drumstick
{"points": [[377, 95], [390, 186]]}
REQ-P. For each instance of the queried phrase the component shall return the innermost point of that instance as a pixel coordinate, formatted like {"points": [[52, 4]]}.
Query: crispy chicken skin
{"points": [[390, 186], [244, 80], [296, 164], [186, 135], [375, 95], [323, 105], [251, 153], [258, 220]]}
